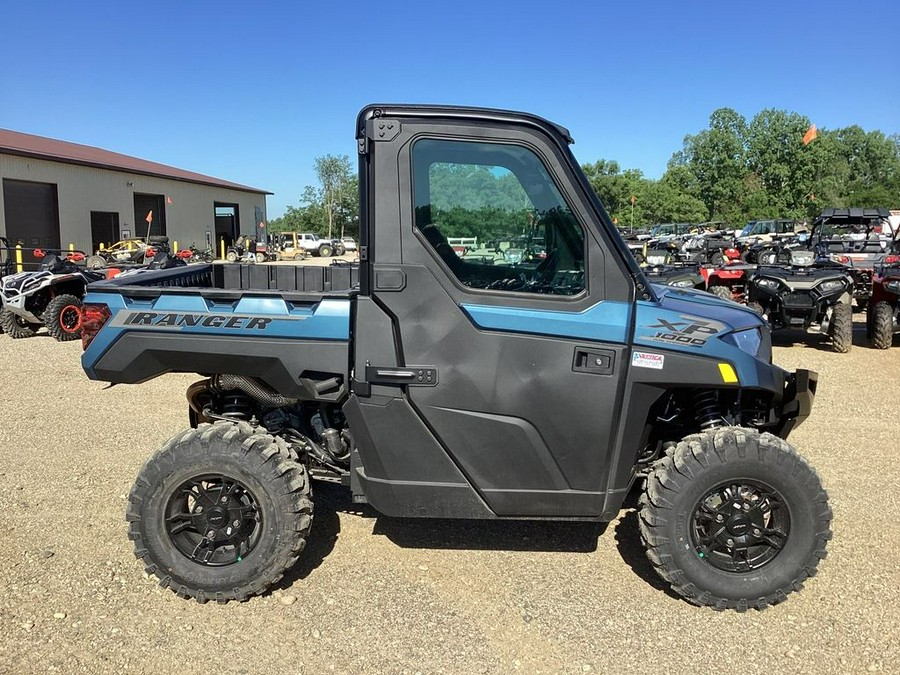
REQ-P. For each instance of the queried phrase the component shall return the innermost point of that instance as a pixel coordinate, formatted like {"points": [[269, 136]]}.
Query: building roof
{"points": [[28, 145]]}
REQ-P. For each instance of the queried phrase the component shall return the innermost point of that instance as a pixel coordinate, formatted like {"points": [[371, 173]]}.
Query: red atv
{"points": [[883, 310], [729, 279]]}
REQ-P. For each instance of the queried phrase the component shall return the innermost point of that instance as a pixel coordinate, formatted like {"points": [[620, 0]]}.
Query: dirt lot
{"points": [[374, 594]]}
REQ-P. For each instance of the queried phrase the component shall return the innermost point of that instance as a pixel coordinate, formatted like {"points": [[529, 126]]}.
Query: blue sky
{"points": [[252, 92]]}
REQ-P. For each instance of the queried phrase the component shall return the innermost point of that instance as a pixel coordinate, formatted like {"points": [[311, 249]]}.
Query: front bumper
{"points": [[799, 394]]}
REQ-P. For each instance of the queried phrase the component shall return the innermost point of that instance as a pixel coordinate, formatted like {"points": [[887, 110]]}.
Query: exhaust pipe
{"points": [[261, 393]]}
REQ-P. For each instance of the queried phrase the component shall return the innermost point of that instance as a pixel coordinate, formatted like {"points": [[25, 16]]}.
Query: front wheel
{"points": [[325, 251], [220, 512], [16, 326], [734, 519], [882, 320], [231, 256], [63, 317], [841, 328], [260, 257], [722, 292]]}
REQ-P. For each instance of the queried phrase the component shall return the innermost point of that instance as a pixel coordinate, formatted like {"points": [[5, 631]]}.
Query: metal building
{"points": [[56, 193]]}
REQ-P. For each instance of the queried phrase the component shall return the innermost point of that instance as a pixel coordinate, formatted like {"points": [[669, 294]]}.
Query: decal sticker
{"points": [[693, 333], [184, 319], [648, 360]]}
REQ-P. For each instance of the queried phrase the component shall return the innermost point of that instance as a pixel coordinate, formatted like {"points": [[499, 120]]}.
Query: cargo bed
{"points": [[288, 326]]}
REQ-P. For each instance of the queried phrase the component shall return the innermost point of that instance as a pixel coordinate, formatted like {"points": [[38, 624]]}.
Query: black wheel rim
{"points": [[740, 526], [213, 520]]}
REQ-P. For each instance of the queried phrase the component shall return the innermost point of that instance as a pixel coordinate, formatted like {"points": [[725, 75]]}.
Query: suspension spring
{"points": [[237, 405], [706, 404]]}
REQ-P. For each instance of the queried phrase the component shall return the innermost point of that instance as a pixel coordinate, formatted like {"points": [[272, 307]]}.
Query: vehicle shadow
{"points": [[328, 500], [491, 535], [472, 535], [628, 542], [793, 337]]}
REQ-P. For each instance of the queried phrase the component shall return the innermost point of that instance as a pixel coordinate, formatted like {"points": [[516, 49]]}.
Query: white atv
{"points": [[50, 297]]}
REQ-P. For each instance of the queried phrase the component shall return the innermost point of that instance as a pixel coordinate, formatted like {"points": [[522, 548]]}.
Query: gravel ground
{"points": [[374, 594]]}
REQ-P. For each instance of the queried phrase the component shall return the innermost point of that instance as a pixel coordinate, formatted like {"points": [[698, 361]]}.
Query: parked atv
{"points": [[160, 259], [728, 280], [855, 239], [260, 253], [708, 249], [7, 266], [126, 253], [677, 274], [883, 310], [48, 297], [760, 239], [798, 297]]}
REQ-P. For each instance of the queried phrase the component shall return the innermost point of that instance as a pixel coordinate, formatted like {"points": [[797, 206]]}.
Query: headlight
{"points": [[682, 283], [831, 285], [893, 285], [771, 284], [749, 341]]}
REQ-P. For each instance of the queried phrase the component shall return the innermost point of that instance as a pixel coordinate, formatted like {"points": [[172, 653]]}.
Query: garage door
{"points": [[32, 213]]}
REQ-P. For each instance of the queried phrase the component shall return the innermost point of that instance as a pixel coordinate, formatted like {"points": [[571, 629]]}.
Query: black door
{"points": [[228, 223], [32, 213], [104, 229], [150, 208], [514, 351]]}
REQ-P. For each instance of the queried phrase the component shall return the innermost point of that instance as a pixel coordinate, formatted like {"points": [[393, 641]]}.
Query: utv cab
{"points": [[857, 239]]}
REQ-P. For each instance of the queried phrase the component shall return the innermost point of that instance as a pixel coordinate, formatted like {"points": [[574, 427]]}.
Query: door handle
{"points": [[421, 376], [596, 361]]}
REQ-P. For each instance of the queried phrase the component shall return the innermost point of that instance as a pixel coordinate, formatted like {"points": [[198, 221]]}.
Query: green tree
{"points": [[331, 206], [336, 178], [716, 158]]}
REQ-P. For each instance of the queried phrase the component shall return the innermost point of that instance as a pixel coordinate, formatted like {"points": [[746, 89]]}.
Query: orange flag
{"points": [[149, 217], [810, 135]]}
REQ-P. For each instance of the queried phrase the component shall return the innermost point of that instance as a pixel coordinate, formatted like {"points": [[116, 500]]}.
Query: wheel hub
{"points": [[213, 520], [739, 527], [217, 517]]}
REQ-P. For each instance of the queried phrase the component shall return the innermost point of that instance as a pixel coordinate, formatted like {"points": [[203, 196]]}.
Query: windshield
{"points": [[843, 229]]}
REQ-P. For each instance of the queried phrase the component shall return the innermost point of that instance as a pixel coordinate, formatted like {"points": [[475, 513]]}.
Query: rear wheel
{"points": [[220, 512], [721, 291], [63, 317], [882, 319], [325, 250], [95, 262], [260, 257], [734, 519], [231, 256], [841, 329], [16, 326]]}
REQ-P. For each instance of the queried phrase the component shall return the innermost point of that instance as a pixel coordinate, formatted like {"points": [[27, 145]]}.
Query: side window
{"points": [[494, 215]]}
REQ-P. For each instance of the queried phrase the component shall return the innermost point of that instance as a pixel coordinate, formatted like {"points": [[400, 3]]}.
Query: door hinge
{"points": [[383, 130]]}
